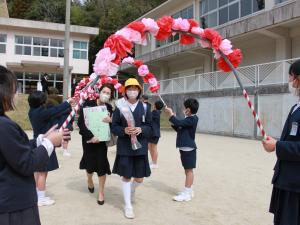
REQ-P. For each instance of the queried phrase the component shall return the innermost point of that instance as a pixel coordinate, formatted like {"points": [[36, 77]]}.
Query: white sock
{"points": [[126, 187], [188, 190], [134, 185], [41, 194]]}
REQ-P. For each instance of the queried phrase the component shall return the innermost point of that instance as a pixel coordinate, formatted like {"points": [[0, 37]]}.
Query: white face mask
{"points": [[132, 94], [104, 98]]}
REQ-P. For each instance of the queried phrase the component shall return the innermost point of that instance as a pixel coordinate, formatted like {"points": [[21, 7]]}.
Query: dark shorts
{"points": [[154, 140], [188, 159]]}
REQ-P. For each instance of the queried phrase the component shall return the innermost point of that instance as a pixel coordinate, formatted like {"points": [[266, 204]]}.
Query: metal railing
{"points": [[271, 73]]}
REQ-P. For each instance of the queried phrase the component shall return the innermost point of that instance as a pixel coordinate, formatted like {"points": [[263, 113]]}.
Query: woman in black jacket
{"points": [[19, 158], [94, 158]]}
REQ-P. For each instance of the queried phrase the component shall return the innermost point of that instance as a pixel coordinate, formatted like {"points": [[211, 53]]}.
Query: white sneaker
{"points": [[153, 166], [128, 212], [46, 201], [191, 193], [66, 153], [183, 196]]}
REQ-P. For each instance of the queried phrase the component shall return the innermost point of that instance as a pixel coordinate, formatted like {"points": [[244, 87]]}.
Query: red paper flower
{"points": [[165, 28], [147, 77], [155, 89], [186, 39], [235, 58], [214, 37], [119, 45], [137, 26], [138, 63]]}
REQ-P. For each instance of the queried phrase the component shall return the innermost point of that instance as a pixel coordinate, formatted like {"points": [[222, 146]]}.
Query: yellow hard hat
{"points": [[132, 82]]}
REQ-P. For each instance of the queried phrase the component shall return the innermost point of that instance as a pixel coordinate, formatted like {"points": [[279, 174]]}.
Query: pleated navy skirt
{"points": [[285, 205], [28, 216], [51, 165], [132, 166]]}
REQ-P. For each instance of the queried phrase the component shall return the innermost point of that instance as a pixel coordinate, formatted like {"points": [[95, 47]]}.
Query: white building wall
{"points": [[80, 66]]}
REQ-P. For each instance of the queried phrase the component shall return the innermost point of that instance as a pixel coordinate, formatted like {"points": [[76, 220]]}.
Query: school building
{"points": [[34, 48], [267, 32]]}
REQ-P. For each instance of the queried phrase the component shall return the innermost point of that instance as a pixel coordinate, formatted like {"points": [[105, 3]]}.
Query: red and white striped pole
{"points": [[255, 115], [78, 105]]}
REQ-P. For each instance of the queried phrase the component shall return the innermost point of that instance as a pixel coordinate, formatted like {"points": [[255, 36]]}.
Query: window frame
{"points": [[39, 43], [217, 10], [81, 50], [3, 43]]}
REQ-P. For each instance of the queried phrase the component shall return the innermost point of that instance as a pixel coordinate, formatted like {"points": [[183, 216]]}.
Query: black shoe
{"points": [[100, 202], [91, 189]]}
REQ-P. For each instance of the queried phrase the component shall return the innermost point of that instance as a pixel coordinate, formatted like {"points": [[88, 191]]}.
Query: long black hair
{"points": [[8, 87]]}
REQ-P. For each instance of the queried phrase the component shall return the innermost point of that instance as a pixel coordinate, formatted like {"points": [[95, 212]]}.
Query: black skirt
{"points": [[28, 216], [285, 205], [51, 165], [94, 159], [132, 166]]}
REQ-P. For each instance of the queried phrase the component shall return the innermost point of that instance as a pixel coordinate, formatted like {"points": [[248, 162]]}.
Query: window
{"points": [[56, 48], [38, 46], [80, 50], [218, 12], [280, 1], [3, 40], [187, 13], [23, 45]]}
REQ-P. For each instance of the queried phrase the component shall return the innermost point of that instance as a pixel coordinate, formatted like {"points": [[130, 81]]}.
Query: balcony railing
{"points": [[273, 73]]}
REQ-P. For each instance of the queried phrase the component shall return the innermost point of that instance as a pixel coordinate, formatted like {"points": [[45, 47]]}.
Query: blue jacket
{"points": [[19, 159], [41, 118], [119, 124], [186, 130], [287, 168], [156, 123]]}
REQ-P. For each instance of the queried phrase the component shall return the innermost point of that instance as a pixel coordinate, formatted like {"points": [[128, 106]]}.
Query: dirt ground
{"points": [[232, 187]]}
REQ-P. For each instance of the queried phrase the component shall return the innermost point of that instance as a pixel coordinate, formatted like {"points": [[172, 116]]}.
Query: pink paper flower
{"points": [[117, 86], [204, 44], [130, 35], [143, 70], [128, 60], [150, 26], [226, 47], [152, 82], [181, 24], [103, 64], [197, 30]]}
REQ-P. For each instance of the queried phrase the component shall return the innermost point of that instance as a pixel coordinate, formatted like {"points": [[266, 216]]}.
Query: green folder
{"points": [[93, 117]]}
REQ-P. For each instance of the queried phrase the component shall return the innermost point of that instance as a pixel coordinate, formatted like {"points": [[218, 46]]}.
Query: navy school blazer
{"points": [[156, 123], [119, 124], [186, 130], [287, 168], [19, 159], [41, 118]]}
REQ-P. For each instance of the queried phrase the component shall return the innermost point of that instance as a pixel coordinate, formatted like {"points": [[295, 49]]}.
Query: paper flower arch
{"points": [[118, 50]]}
